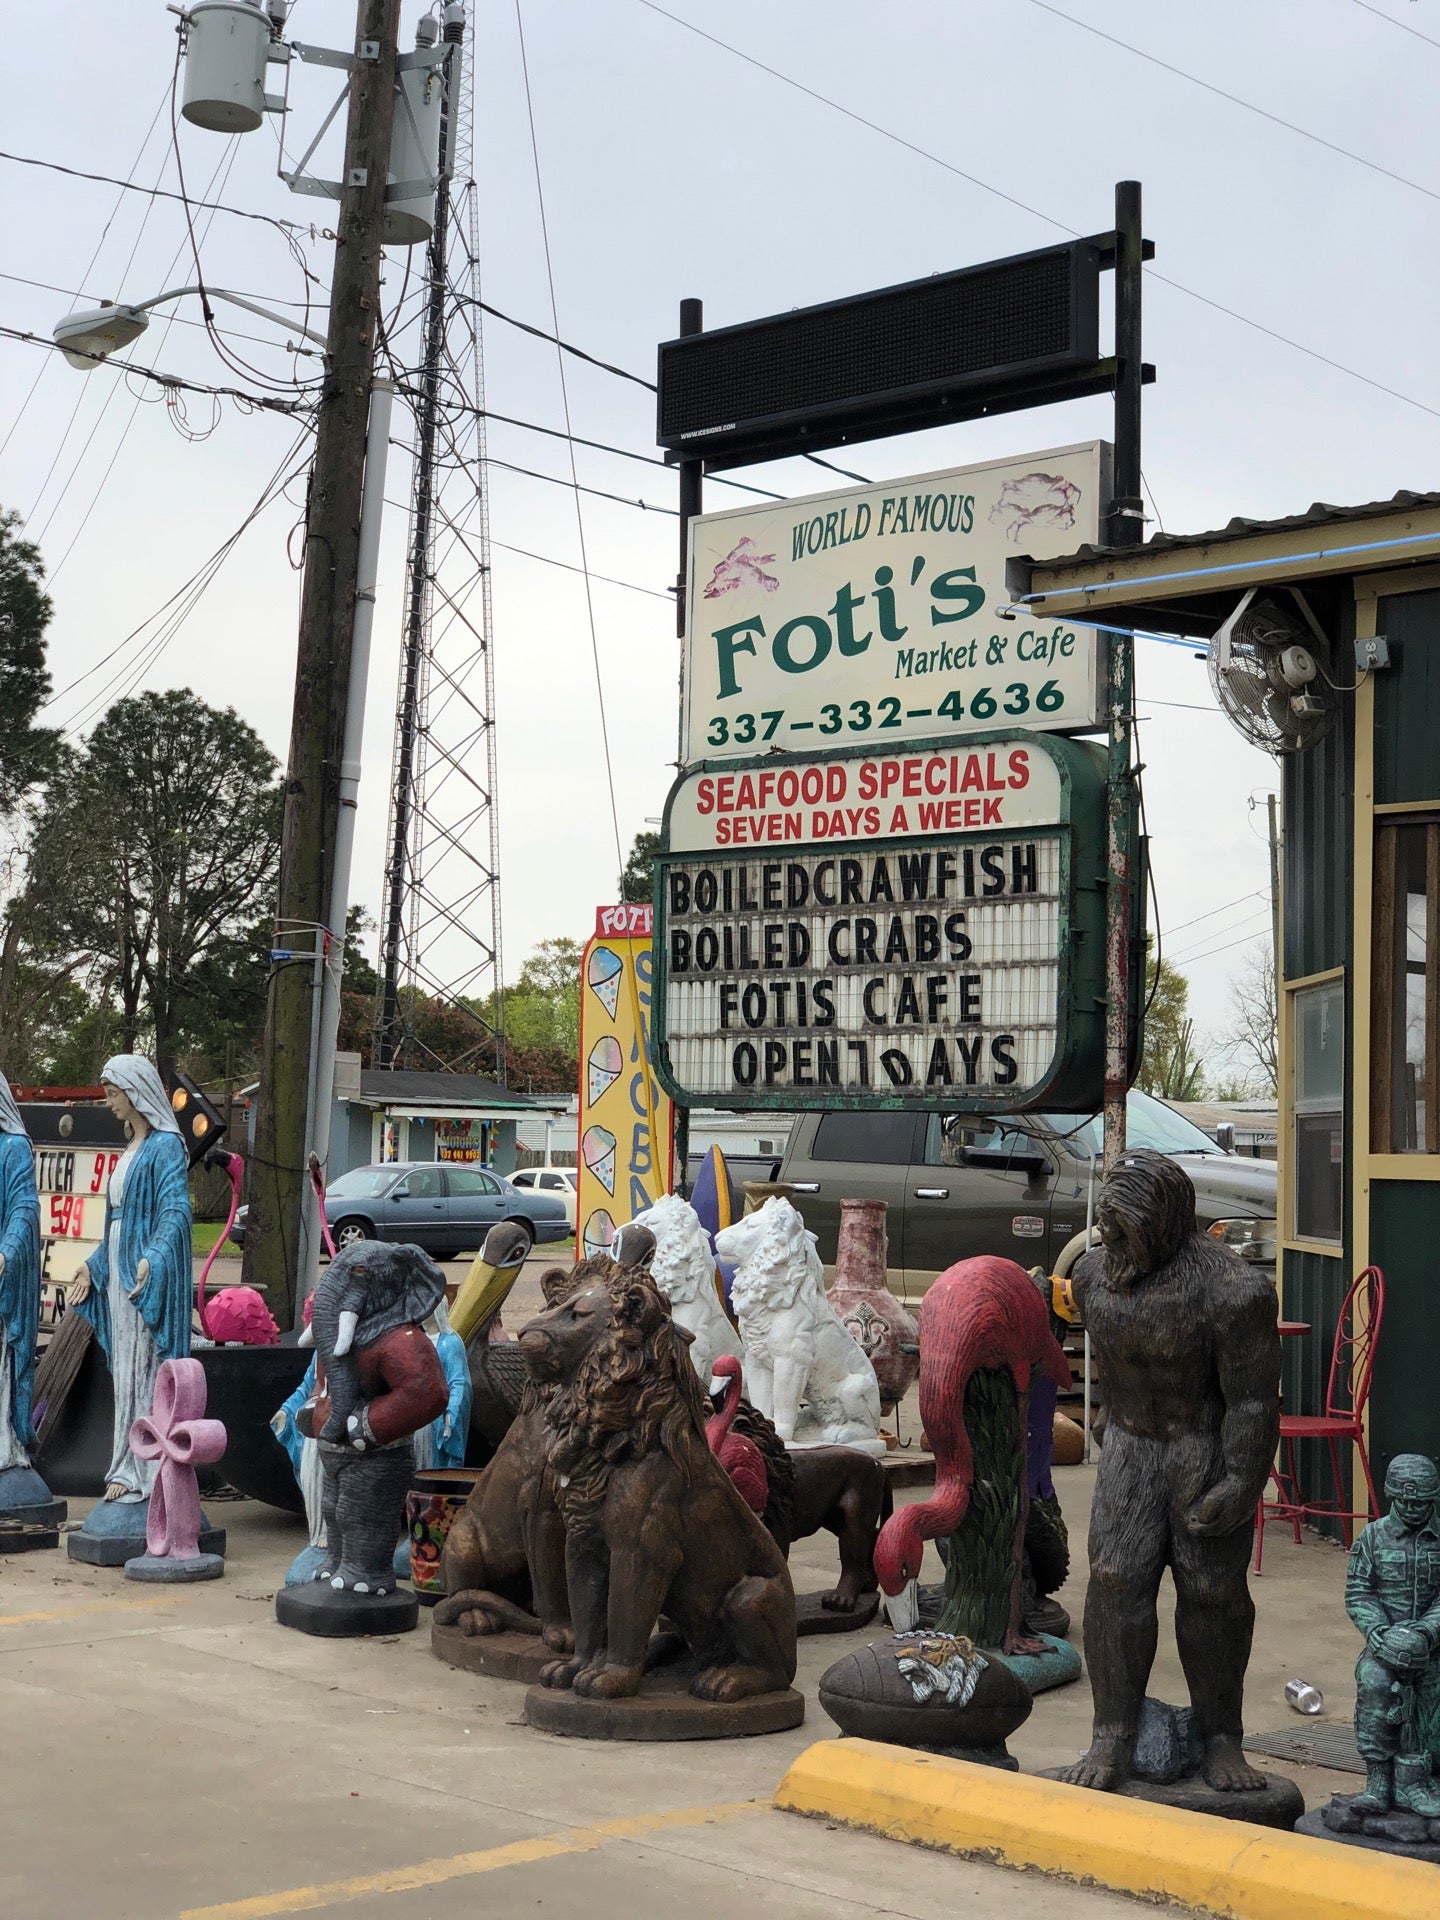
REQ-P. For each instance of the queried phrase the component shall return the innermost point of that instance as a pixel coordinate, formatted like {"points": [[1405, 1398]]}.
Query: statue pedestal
{"points": [[1279, 1803], [663, 1709], [504, 1656], [812, 1616], [1056, 1667], [114, 1532], [1409, 1834], [333, 1613], [175, 1569], [810, 1437], [26, 1501]]}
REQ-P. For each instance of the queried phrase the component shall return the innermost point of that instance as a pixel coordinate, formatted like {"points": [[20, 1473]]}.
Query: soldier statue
{"points": [[1392, 1593]]}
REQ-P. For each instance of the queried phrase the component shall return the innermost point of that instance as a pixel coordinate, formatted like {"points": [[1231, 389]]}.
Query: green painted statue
{"points": [[1392, 1593]]}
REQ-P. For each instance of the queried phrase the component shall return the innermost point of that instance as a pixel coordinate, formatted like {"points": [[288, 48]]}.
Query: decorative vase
{"points": [[431, 1507], [885, 1333]]}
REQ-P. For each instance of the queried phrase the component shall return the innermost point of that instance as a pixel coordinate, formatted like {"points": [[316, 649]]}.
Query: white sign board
{"points": [[934, 965], [1003, 784], [873, 613]]}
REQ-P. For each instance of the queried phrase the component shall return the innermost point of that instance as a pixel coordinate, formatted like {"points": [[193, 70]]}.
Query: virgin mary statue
{"points": [[136, 1288], [19, 1285]]}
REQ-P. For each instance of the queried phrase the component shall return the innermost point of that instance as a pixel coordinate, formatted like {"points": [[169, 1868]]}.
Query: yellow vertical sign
{"points": [[627, 1124]]}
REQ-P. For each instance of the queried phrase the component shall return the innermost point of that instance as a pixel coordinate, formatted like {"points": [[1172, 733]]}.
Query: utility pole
{"points": [[273, 1253], [692, 490], [1126, 529]]}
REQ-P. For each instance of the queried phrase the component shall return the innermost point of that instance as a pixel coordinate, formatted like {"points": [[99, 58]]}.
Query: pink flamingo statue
{"points": [[236, 1313], [737, 1454]]}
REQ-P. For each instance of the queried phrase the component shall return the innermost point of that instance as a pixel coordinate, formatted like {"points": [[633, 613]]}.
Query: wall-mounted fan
{"points": [[1270, 668]]}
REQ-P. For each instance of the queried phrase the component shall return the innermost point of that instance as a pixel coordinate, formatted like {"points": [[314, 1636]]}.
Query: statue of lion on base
{"points": [[684, 1270], [652, 1522], [804, 1370]]}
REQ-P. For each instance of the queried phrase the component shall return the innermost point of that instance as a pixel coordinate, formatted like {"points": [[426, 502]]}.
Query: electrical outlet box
{"points": [[1372, 653]]}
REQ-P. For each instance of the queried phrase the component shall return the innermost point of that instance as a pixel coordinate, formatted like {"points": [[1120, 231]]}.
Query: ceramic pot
{"points": [[884, 1331], [430, 1509]]}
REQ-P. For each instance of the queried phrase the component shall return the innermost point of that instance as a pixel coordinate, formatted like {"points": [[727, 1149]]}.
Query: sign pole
{"points": [[692, 485], [1126, 529]]}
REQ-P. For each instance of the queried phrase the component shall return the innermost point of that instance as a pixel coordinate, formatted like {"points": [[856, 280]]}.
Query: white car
{"points": [[557, 1180]]}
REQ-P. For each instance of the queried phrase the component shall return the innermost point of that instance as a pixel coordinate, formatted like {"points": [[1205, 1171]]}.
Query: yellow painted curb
{"points": [[1131, 1846]]}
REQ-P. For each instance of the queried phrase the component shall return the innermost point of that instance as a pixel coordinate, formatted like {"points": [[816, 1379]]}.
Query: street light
{"points": [[93, 334]]}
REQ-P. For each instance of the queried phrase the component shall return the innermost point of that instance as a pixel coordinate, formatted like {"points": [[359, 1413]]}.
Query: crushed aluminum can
{"points": [[1301, 1697]]}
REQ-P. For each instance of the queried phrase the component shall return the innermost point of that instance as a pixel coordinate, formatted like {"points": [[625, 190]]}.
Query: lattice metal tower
{"points": [[441, 936]]}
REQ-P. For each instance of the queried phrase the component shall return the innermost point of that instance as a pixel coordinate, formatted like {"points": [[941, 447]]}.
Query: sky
{"points": [[828, 147]]}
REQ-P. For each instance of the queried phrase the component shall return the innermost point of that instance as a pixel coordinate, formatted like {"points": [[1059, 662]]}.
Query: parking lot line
{"points": [[459, 1866]]}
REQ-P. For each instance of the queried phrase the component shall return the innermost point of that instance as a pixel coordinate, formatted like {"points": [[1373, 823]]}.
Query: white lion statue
{"points": [[683, 1267], [802, 1369]]}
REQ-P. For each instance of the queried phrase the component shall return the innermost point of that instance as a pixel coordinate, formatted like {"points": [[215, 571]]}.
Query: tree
{"points": [[636, 882], [151, 859], [28, 753], [1251, 1040], [1170, 1067]]}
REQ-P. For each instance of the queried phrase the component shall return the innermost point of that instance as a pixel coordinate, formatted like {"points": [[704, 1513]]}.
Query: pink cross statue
{"points": [[176, 1433]]}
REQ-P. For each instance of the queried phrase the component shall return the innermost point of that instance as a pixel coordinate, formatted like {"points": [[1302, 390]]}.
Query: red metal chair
{"points": [[1352, 1364]]}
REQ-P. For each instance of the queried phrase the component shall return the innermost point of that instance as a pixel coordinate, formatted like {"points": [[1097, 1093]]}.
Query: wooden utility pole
{"points": [[322, 670]]}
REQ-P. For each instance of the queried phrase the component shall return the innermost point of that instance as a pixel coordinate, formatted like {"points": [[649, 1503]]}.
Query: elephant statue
{"points": [[378, 1382]]}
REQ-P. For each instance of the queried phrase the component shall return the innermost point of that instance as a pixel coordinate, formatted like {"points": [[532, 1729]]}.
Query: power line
{"points": [[1244, 939], [1010, 199], [574, 472], [1391, 21], [1235, 100], [263, 401], [555, 480], [569, 567], [1244, 900], [156, 193]]}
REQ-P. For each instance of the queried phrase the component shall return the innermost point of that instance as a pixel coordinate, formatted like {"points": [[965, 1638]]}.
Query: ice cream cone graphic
{"points": [[598, 1149], [599, 1232], [604, 1066], [604, 973]]}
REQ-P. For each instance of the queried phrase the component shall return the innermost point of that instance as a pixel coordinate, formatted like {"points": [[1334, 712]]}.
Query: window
{"points": [[1405, 1039], [1148, 1123], [423, 1184], [469, 1180], [950, 1136], [1319, 1072], [873, 1139]]}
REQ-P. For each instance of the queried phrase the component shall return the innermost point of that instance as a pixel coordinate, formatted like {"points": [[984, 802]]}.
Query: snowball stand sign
{"points": [[884, 927], [874, 612]]}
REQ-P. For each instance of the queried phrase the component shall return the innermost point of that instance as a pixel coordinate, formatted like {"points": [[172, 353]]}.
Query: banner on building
{"points": [[627, 1123], [873, 614]]}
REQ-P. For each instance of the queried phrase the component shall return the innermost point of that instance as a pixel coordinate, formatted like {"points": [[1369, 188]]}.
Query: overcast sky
{"points": [[672, 166]]}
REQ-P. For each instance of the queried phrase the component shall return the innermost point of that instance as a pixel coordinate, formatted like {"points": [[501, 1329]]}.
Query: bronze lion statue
{"points": [[652, 1522], [504, 1561]]}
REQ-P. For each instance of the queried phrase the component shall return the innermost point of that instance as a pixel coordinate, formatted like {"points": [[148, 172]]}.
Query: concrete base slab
{"points": [[812, 1616], [504, 1656], [113, 1550], [165, 1570], [26, 1537], [1379, 1842], [337, 1614], [1126, 1844], [664, 1709]]}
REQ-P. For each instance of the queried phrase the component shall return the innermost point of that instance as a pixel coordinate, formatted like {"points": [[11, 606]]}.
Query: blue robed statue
{"points": [[19, 1283], [136, 1288]]}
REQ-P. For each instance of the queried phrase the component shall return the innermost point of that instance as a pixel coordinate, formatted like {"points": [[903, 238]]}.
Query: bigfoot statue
{"points": [[1189, 1359]]}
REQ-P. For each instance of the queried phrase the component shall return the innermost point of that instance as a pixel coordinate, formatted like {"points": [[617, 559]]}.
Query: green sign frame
{"points": [[1075, 1077]]}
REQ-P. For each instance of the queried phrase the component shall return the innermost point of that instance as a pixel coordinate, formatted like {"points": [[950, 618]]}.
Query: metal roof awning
{"points": [[400, 1110], [1187, 583]]}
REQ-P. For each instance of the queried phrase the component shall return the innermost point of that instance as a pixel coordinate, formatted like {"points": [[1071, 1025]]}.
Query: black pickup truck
{"points": [[959, 1185]]}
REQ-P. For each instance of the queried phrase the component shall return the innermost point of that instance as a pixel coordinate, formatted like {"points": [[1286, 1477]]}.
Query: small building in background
{"points": [[399, 1114]]}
